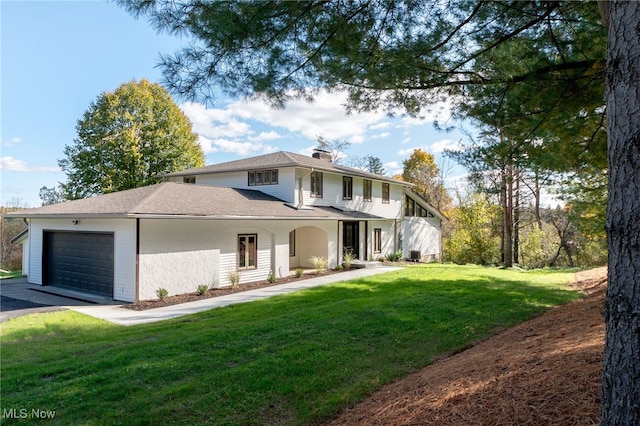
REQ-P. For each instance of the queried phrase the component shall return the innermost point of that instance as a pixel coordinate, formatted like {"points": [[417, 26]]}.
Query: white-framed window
{"points": [[189, 179], [347, 187], [247, 251], [377, 240], [292, 243], [316, 184], [262, 177], [367, 189], [385, 193]]}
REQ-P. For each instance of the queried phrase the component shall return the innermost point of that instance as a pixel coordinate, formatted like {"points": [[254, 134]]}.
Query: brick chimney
{"points": [[321, 154]]}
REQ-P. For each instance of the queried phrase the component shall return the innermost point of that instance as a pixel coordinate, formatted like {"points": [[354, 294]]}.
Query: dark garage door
{"points": [[80, 261]]}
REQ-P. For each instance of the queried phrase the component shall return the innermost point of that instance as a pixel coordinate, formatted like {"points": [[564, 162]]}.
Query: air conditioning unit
{"points": [[415, 255]]}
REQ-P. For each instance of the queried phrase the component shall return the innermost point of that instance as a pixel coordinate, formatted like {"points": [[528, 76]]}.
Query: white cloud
{"points": [[440, 146], [434, 148], [267, 136], [393, 168], [233, 146], [11, 164], [11, 142], [380, 126], [324, 117], [405, 152], [381, 135]]}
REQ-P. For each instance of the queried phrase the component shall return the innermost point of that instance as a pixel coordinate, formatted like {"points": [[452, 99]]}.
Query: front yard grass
{"points": [[291, 359], [10, 274]]}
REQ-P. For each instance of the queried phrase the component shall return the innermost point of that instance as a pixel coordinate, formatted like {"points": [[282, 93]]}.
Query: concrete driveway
{"points": [[17, 298]]}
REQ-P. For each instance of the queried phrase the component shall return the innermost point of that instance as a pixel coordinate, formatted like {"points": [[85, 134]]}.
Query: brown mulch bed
{"points": [[546, 371], [217, 292]]}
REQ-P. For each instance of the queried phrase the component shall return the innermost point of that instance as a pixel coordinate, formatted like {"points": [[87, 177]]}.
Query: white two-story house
{"points": [[255, 216]]}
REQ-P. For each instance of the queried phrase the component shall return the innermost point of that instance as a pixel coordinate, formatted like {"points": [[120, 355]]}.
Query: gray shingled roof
{"points": [[177, 199], [282, 159]]}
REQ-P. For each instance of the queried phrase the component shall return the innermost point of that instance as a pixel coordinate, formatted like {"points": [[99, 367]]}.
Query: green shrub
{"points": [[394, 257], [202, 289], [348, 258], [299, 272], [234, 278], [162, 293], [271, 277], [319, 263]]}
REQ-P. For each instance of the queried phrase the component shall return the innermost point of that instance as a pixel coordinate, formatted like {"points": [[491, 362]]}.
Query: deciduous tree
{"points": [[126, 139]]}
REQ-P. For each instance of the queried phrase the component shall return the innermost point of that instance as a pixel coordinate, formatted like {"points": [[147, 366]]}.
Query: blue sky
{"points": [[58, 57]]}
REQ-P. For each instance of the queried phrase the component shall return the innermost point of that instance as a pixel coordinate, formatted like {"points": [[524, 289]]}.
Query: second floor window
{"points": [[263, 177], [316, 184], [366, 189], [385, 193], [409, 207], [347, 187], [189, 179]]}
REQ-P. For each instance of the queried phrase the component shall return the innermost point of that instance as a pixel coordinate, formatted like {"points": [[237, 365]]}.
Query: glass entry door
{"points": [[351, 238]]}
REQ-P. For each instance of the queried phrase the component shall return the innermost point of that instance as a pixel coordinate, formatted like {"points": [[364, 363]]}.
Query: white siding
{"points": [[332, 196], [25, 258], [387, 229], [284, 189], [180, 254], [422, 234], [124, 230], [177, 255]]}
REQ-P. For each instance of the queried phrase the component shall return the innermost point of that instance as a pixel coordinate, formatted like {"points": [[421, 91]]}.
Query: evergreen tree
{"points": [[406, 55]]}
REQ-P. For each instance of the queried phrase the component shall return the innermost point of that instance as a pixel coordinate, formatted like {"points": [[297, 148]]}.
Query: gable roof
{"points": [[169, 199], [283, 159]]}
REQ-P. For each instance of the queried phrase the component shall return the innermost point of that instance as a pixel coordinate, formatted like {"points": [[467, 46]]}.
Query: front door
{"points": [[351, 238]]}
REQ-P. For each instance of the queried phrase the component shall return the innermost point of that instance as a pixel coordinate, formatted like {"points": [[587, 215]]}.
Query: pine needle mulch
{"points": [[545, 371]]}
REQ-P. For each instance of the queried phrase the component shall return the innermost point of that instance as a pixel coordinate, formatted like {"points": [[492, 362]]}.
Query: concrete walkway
{"points": [[122, 316]]}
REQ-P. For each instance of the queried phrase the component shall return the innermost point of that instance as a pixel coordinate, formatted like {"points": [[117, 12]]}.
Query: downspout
{"points": [[300, 189], [395, 235], [366, 240], [338, 245], [29, 234], [137, 259]]}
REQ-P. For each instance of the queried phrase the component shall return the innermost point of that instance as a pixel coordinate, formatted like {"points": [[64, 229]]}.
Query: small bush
{"points": [[348, 258], [319, 263], [271, 277], [339, 267], [299, 272], [394, 257], [162, 293], [234, 278], [202, 289]]}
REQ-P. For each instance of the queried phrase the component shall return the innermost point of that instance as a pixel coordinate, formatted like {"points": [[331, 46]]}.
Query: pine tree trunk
{"points": [[621, 366], [507, 217]]}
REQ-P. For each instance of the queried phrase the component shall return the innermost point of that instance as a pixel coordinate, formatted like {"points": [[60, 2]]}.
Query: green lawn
{"points": [[292, 359], [10, 274]]}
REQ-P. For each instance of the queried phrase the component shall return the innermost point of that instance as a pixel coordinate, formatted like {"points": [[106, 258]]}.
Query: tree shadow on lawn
{"points": [[307, 354]]}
